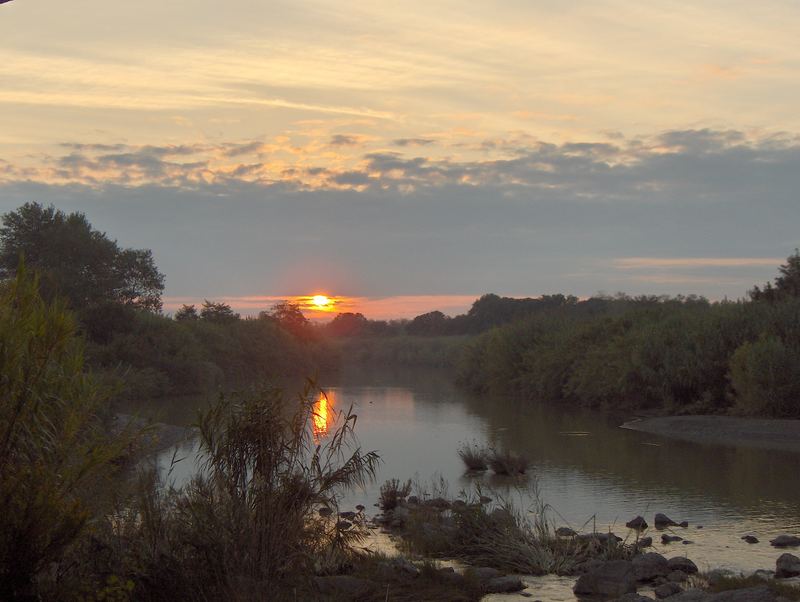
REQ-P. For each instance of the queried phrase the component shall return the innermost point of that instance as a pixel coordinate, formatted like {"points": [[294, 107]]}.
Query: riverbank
{"points": [[759, 433]]}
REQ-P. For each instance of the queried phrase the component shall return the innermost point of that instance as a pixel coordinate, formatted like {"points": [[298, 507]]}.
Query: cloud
{"points": [[345, 140], [638, 263], [412, 141]]}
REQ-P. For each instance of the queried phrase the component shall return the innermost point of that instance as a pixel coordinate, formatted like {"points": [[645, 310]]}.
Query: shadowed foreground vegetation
{"points": [[83, 519]]}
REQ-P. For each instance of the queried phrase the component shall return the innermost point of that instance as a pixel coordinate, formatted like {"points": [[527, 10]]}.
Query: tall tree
{"points": [[787, 284], [76, 261]]}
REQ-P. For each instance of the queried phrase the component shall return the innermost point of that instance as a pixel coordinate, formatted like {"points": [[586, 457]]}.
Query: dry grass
{"points": [[475, 457], [392, 493], [507, 463], [723, 584]]}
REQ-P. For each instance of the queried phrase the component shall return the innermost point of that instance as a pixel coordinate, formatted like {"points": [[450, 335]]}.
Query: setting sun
{"points": [[320, 300]]}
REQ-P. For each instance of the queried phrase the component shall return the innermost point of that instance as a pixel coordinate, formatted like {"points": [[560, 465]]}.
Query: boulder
{"points": [[344, 525], [647, 567], [347, 515], [691, 595], [662, 521], [324, 511], [667, 589], [787, 565], [611, 579], [750, 538], [687, 542], [449, 574], [504, 585], [670, 538], [684, 524], [644, 542], [565, 532], [485, 499], [715, 576], [638, 523], [343, 586], [483, 573], [785, 541], [633, 598], [681, 563], [677, 577]]}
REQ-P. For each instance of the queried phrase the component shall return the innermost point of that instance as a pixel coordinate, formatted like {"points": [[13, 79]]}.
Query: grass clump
{"points": [[393, 492], [724, 583], [507, 463], [474, 456]]}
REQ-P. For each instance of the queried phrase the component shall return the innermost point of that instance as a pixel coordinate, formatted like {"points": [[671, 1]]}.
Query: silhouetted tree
{"points": [[348, 325], [217, 312], [787, 284], [186, 313], [289, 316], [76, 261]]}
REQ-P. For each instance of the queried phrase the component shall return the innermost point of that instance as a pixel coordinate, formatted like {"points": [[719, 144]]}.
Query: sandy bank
{"points": [[762, 433]]}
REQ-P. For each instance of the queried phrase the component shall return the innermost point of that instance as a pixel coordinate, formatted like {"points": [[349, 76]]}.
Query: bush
{"points": [[473, 456], [54, 456], [507, 463], [248, 526], [393, 492]]}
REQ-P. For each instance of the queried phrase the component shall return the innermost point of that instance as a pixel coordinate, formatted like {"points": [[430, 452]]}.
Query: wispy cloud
{"points": [[648, 263]]}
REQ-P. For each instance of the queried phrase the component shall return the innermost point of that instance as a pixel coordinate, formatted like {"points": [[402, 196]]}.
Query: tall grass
{"points": [[473, 456]]}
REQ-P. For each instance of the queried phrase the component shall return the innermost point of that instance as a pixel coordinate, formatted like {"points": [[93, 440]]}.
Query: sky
{"points": [[411, 156]]}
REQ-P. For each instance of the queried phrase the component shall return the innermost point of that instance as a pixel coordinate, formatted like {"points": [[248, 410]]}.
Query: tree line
{"points": [[679, 355], [116, 293]]}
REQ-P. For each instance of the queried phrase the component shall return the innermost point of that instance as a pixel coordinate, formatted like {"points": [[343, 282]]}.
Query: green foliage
{"points": [[54, 456], [247, 527], [677, 355], [766, 377], [77, 262], [219, 313]]}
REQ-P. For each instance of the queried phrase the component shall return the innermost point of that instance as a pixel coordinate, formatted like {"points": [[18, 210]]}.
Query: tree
{"points": [[787, 284], [348, 324], [77, 262], [54, 453], [289, 317], [186, 313], [220, 313]]}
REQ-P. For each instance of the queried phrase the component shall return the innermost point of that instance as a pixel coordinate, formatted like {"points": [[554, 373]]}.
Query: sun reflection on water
{"points": [[323, 414]]}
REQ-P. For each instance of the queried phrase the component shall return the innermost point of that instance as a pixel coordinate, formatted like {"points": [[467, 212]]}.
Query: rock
{"points": [[459, 504], [785, 541], [644, 542], [637, 523], [684, 524], [344, 525], [787, 565], [670, 538], [667, 589], [634, 597], [750, 538], [404, 566], [325, 512], [612, 578], [485, 500], [483, 573], [647, 567], [699, 526], [687, 542], [360, 507], [662, 521], [677, 577], [764, 574], [449, 574], [565, 532], [413, 500], [343, 585], [601, 538], [681, 563], [503, 585], [347, 515], [715, 576]]}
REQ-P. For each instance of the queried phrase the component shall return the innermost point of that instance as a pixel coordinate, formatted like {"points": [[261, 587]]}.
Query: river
{"points": [[589, 471]]}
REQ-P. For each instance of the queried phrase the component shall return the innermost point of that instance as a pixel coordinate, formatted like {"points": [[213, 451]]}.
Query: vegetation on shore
{"points": [[677, 355]]}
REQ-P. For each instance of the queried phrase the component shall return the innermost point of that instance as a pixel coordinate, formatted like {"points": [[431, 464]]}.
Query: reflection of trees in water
{"points": [[548, 435]]}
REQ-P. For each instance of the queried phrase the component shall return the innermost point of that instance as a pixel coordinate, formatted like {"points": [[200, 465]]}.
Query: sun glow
{"points": [[320, 301]]}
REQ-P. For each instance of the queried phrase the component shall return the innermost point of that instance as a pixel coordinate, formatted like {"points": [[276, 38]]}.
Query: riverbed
{"points": [[591, 473]]}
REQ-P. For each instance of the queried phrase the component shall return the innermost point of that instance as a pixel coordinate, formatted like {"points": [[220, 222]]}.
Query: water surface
{"points": [[587, 469]]}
